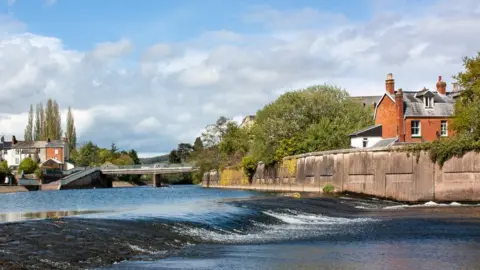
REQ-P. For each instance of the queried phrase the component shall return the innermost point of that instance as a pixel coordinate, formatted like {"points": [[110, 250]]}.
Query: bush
{"points": [[249, 165], [28, 166], [39, 173], [328, 188], [441, 151]]}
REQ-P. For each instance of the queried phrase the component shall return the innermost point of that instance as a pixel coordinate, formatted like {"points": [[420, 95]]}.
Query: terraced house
{"points": [[409, 116]]}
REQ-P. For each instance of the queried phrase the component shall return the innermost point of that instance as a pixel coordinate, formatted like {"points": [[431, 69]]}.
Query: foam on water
{"points": [[291, 225], [427, 204]]}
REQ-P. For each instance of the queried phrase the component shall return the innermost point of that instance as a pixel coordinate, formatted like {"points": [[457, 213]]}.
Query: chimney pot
{"points": [[441, 86], [390, 84]]}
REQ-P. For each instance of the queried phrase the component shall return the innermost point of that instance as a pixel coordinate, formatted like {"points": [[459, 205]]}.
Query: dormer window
{"points": [[428, 102]]}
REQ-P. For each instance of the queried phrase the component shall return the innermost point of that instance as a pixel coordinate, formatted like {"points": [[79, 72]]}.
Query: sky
{"points": [[149, 74]]}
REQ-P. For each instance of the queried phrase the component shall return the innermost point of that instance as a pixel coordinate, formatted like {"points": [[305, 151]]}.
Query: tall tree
{"points": [[71, 133], [43, 126], [467, 107], [198, 144], [57, 120], [184, 150], [28, 136], [173, 157], [133, 154], [37, 134]]}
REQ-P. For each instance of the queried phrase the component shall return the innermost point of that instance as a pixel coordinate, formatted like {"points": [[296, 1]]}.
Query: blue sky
{"points": [[81, 24], [149, 74]]}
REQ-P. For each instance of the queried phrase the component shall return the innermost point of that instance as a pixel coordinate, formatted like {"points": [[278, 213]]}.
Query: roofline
{"points": [[430, 116], [378, 103], [364, 130]]}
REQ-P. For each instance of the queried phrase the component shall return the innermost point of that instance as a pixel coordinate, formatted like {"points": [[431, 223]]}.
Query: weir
{"points": [[381, 172]]}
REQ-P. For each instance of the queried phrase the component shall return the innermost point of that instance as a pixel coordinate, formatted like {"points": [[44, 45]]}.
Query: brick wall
{"points": [[429, 129], [58, 155], [386, 116]]}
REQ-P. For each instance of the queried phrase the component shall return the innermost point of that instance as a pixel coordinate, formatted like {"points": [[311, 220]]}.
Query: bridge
{"points": [[84, 177]]}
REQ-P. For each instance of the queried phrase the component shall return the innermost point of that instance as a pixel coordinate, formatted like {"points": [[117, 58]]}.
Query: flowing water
{"points": [[188, 227]]}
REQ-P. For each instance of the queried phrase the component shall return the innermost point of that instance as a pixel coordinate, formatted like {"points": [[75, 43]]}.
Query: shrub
{"points": [[249, 165], [28, 166], [39, 173], [328, 188]]}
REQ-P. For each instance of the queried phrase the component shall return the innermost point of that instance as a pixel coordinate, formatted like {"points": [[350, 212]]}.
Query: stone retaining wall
{"points": [[379, 172]]}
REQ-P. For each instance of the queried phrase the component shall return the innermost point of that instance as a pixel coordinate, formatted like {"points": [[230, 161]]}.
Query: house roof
{"points": [[56, 143], [6, 146], [53, 160], [30, 144], [367, 99], [385, 142], [375, 130], [414, 105]]}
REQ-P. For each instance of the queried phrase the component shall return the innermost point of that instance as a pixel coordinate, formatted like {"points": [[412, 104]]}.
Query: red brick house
{"points": [[410, 116]]}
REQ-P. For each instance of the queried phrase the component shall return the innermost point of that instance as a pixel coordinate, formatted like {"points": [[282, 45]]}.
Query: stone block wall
{"points": [[383, 173]]}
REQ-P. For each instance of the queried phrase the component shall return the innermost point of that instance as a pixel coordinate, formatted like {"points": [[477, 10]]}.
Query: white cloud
{"points": [[178, 88]]}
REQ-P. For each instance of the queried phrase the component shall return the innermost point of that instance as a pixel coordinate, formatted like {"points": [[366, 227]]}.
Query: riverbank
{"points": [[12, 189], [140, 233]]}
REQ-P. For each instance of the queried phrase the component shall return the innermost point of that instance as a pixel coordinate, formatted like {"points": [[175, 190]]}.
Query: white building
{"points": [[367, 137]]}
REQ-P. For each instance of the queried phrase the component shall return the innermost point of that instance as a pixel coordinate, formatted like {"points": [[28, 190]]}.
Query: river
{"points": [[188, 227]]}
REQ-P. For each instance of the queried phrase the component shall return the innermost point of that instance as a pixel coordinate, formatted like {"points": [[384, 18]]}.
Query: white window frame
{"points": [[56, 151], [17, 151], [428, 101], [419, 134], [444, 128], [17, 160]]}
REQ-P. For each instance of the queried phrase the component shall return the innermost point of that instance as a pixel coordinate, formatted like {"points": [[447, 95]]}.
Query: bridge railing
{"points": [[146, 166]]}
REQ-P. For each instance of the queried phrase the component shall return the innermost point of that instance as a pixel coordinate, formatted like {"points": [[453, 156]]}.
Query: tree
{"points": [[113, 150], [4, 170], [173, 157], [313, 119], [134, 156], [29, 135], [234, 145], [88, 155], [184, 150], [467, 106], [28, 165], [71, 133], [38, 132], [198, 144]]}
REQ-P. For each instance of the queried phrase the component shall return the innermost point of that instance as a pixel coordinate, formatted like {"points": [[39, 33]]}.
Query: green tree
{"points": [[184, 150], [173, 157], [71, 133], [29, 136], [4, 170], [88, 155], [198, 144], [134, 156], [38, 132], [313, 119], [234, 144], [28, 166], [467, 106]]}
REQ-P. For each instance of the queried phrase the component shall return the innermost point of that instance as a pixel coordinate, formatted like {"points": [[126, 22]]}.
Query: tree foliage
{"points": [[71, 133], [467, 106], [29, 136], [314, 119], [90, 155], [46, 123], [28, 166], [173, 157], [4, 170]]}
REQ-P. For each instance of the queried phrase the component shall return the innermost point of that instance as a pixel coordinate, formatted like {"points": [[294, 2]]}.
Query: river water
{"points": [[188, 227]]}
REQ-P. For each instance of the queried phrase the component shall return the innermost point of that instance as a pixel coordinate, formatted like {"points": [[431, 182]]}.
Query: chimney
{"points": [[455, 87], [374, 106], [400, 124], [14, 140], [64, 139], [48, 140], [390, 84], [441, 86]]}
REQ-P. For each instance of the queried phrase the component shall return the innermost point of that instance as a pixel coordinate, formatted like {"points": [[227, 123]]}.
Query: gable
{"points": [[382, 101]]}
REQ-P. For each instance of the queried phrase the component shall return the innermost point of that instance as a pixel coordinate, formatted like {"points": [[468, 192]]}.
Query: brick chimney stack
{"points": [[14, 140], [400, 124], [441, 86], [390, 84]]}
